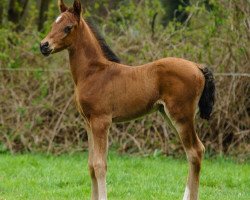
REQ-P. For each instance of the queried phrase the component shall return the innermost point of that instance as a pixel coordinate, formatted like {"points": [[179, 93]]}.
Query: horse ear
{"points": [[62, 6], [77, 7]]}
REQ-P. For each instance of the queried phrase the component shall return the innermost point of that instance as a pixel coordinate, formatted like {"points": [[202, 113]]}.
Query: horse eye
{"points": [[67, 29]]}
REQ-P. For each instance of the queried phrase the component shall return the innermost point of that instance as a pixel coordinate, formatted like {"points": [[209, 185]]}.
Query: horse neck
{"points": [[85, 53]]}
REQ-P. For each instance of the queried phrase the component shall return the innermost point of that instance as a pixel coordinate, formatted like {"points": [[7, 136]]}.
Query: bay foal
{"points": [[107, 91]]}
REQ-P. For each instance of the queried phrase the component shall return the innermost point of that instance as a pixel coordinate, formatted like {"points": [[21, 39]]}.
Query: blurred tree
{"points": [[209, 5], [16, 11], [1, 13], [102, 7], [44, 6], [173, 10]]}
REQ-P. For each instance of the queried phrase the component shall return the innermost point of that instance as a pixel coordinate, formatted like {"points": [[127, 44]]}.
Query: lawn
{"points": [[42, 177]]}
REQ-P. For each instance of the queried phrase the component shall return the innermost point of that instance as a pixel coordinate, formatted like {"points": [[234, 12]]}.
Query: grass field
{"points": [[42, 177]]}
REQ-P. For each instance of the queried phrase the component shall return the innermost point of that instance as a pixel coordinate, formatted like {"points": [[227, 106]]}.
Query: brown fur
{"points": [[109, 92]]}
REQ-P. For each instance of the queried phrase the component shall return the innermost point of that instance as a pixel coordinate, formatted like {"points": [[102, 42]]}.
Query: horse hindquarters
{"points": [[179, 98]]}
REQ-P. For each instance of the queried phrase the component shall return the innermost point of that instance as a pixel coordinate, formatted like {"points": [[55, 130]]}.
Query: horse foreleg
{"points": [[99, 135], [94, 192]]}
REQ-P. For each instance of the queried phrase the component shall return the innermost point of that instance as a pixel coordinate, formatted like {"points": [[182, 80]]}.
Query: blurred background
{"points": [[37, 110]]}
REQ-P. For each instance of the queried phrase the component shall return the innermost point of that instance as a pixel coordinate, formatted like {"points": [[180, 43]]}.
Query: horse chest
{"points": [[83, 102]]}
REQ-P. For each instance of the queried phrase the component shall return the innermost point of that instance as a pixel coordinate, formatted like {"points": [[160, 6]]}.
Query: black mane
{"points": [[108, 53]]}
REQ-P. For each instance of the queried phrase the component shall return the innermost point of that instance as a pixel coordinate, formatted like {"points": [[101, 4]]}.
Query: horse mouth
{"points": [[46, 53]]}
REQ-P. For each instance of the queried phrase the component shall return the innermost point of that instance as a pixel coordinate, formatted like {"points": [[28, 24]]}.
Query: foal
{"points": [[107, 91]]}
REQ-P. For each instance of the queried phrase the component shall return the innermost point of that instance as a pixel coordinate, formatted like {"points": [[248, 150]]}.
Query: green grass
{"points": [[41, 177]]}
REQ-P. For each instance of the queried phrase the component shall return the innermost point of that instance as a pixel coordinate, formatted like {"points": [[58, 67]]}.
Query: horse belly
{"points": [[134, 107]]}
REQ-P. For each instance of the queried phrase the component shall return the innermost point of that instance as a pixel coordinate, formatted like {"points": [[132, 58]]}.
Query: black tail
{"points": [[208, 95]]}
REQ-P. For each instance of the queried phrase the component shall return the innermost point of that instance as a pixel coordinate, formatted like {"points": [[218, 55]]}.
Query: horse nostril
{"points": [[46, 44]]}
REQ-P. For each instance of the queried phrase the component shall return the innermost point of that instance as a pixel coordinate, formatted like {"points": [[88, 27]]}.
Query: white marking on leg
{"points": [[186, 194], [102, 189], [58, 18]]}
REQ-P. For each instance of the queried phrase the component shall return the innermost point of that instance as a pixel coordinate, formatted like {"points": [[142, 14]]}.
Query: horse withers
{"points": [[107, 91]]}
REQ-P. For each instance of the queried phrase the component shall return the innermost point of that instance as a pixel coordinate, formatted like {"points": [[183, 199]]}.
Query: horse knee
{"points": [[100, 168]]}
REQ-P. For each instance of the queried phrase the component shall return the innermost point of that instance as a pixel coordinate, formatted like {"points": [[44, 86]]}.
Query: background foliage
{"points": [[37, 111]]}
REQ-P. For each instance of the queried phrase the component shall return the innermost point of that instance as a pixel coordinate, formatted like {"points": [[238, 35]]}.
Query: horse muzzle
{"points": [[45, 49]]}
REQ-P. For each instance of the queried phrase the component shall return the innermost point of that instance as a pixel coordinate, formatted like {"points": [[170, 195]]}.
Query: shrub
{"points": [[38, 115]]}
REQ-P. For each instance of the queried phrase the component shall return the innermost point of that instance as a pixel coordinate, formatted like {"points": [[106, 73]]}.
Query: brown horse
{"points": [[107, 91]]}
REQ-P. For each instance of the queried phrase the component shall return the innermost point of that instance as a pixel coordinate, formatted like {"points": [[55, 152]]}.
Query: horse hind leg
{"points": [[164, 112], [194, 151], [183, 124]]}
